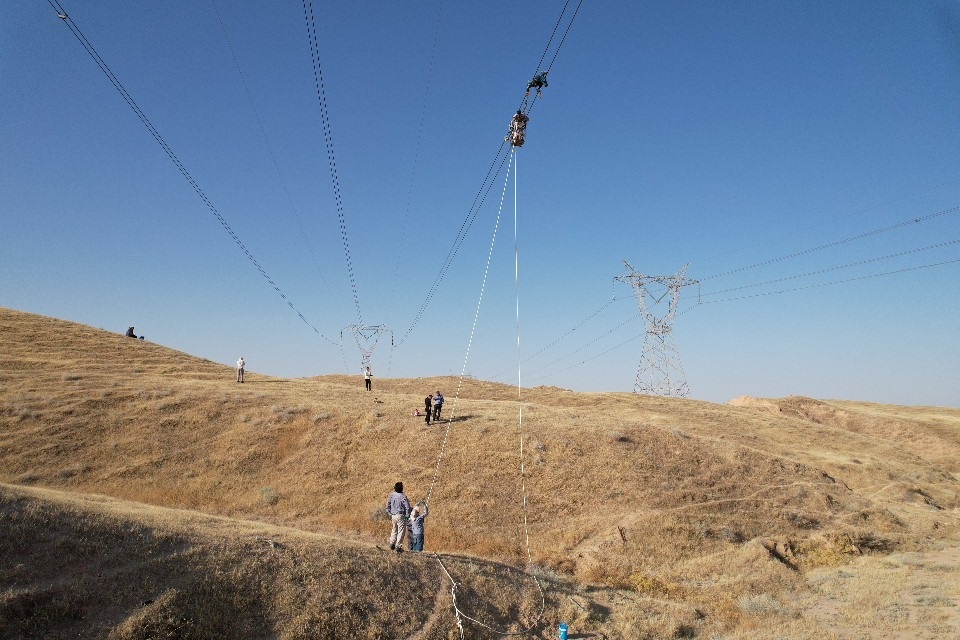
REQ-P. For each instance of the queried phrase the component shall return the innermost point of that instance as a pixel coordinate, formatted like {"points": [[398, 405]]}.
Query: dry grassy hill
{"points": [[648, 517]]}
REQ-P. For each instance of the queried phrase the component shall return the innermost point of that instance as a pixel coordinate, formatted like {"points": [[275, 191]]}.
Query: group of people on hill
{"points": [[405, 520], [432, 406]]}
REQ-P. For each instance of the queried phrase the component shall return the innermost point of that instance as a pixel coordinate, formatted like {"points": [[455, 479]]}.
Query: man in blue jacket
{"points": [[399, 508]]}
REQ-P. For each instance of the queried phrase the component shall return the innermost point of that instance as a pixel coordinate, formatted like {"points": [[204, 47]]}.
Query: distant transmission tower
{"points": [[660, 371], [367, 338]]}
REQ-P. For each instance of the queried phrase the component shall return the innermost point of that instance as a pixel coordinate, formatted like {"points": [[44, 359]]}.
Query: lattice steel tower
{"points": [[660, 372], [367, 338]]}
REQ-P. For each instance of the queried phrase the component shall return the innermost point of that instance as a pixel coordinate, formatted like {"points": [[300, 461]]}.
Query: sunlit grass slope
{"points": [[669, 516]]}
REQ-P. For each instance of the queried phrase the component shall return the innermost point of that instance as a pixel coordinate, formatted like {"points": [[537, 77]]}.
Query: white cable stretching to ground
{"points": [[460, 615], [473, 330]]}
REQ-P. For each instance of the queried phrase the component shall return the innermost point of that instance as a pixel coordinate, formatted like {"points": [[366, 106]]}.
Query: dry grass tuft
{"points": [[764, 605], [652, 586]]}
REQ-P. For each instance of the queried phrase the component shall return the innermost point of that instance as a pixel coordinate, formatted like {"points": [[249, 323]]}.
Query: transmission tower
{"points": [[660, 371], [367, 338]]}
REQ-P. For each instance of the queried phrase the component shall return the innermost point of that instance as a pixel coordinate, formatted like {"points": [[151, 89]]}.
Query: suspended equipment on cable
{"points": [[518, 129]]}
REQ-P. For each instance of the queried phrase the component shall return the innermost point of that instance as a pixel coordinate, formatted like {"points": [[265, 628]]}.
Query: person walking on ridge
{"points": [[398, 507], [367, 374], [240, 365]]}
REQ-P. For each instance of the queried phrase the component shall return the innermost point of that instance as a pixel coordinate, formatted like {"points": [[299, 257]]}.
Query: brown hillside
{"points": [[690, 511]]}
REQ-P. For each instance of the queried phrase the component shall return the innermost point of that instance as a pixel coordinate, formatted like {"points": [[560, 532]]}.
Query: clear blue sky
{"points": [[722, 134]]}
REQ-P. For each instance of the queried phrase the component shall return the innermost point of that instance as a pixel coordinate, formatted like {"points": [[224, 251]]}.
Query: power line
{"points": [[837, 268], [487, 183], [727, 252], [583, 362], [416, 162], [100, 62], [836, 243], [827, 284], [564, 335], [564, 38], [328, 140], [273, 157], [478, 201], [794, 277], [756, 295], [584, 346]]}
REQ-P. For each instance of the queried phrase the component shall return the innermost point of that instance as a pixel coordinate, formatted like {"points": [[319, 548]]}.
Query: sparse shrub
{"points": [[801, 520], [684, 631], [731, 535], [763, 604], [171, 406], [269, 496], [27, 414], [613, 572], [69, 377], [286, 414], [616, 436], [321, 418], [831, 550], [651, 586]]}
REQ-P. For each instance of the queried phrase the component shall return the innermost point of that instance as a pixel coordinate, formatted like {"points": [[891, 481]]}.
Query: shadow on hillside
{"points": [[471, 560], [456, 419]]}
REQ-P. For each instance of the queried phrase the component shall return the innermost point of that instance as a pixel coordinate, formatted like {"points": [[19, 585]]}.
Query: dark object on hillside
{"points": [[130, 333]]}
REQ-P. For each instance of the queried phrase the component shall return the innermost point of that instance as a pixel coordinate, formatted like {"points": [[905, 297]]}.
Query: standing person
{"points": [[428, 406], [417, 516], [398, 507], [240, 365], [437, 405], [367, 374]]}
